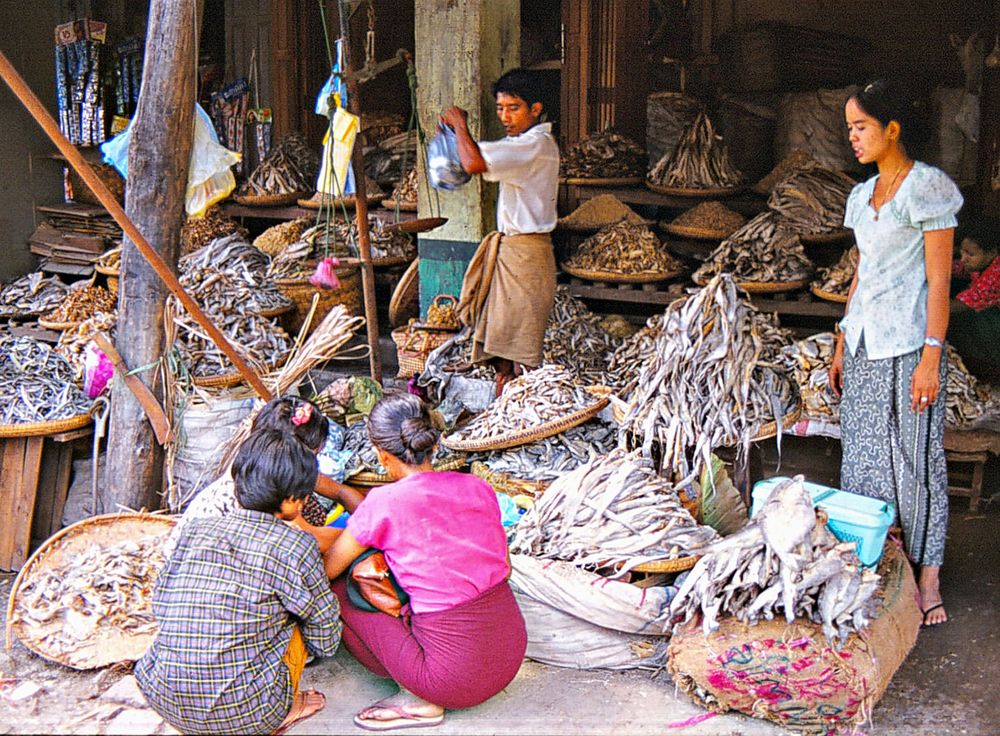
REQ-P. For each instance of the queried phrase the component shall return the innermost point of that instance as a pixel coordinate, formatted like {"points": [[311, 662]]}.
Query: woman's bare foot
{"points": [[931, 603], [306, 703], [402, 710]]}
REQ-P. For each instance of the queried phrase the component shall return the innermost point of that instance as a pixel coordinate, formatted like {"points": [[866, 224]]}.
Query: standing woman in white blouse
{"points": [[889, 359]]}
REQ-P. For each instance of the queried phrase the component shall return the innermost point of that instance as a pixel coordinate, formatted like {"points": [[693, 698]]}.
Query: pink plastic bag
{"points": [[97, 370]]}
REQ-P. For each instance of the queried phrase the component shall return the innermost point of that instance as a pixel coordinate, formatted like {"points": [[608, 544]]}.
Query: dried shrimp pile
{"points": [[574, 339], [202, 230], [759, 252], [624, 248], [714, 379], [229, 271], [784, 560], [599, 211], [543, 395], [711, 216], [606, 155], [73, 342], [615, 510], [82, 303], [286, 169], [278, 237], [812, 201], [700, 161], [31, 295], [103, 589], [809, 361], [36, 384], [837, 279]]}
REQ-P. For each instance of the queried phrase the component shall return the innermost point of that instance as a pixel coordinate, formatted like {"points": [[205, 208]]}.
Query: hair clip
{"points": [[303, 413], [869, 86]]}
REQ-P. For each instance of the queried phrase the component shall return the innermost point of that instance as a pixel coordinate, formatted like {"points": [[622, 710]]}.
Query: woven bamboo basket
{"points": [[678, 564], [696, 233], [37, 429], [277, 311], [413, 345], [268, 200], [301, 292], [318, 201], [405, 302], [234, 378], [771, 428], [829, 296], [619, 278], [419, 225], [110, 276], [115, 645], [765, 287], [704, 192]]}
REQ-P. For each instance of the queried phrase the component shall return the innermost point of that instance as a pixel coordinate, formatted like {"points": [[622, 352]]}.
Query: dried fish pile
{"points": [[712, 216], [111, 260], [282, 170], [794, 161], [700, 161], [628, 358], [543, 395], [615, 510], [966, 399], [407, 189], [812, 201], [599, 211], [103, 589], [624, 248], [31, 295], [809, 362], [837, 279], [83, 303], [36, 383], [605, 155], [385, 162], [339, 240], [200, 231], [73, 342], [365, 460], [230, 271], [548, 459], [714, 379], [278, 237], [759, 252], [784, 560], [574, 339]]}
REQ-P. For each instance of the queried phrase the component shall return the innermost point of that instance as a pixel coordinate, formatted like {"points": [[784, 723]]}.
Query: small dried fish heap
{"points": [[966, 399], [31, 295], [230, 271], [574, 339], [599, 211], [809, 361], [837, 279], [794, 161], [628, 358], [102, 590], [713, 217], [200, 231], [759, 252], [261, 341], [73, 342], [80, 304], [407, 190], [700, 161], [714, 379], [548, 459], [627, 249], [812, 201], [36, 384], [540, 396], [286, 169], [605, 155], [784, 560], [615, 510], [339, 240]]}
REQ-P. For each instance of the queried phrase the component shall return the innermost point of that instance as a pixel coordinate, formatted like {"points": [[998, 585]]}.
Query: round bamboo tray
{"points": [[276, 311], [57, 325], [114, 645], [619, 278], [405, 302], [693, 192], [561, 225], [524, 436], [696, 233], [367, 478], [318, 201], [404, 206], [301, 292], [37, 429], [828, 295], [234, 378], [678, 564], [606, 181], [765, 287], [268, 200], [508, 484], [823, 238]]}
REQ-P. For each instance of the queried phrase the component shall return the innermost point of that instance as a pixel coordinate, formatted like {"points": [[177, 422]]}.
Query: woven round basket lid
{"points": [[830, 296], [643, 277], [110, 641], [405, 302]]}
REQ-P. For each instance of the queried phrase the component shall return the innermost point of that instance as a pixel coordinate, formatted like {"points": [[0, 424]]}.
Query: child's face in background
{"points": [[973, 257], [515, 114]]}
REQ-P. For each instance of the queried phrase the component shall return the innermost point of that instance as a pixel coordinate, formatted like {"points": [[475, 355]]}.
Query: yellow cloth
{"points": [[507, 296], [337, 150], [295, 659]]}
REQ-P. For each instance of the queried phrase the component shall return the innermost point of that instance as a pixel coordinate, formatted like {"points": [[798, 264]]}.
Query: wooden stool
{"points": [[974, 489]]}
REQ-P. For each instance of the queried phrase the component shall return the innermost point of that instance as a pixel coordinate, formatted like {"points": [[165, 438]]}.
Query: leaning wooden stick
{"points": [[34, 106]]}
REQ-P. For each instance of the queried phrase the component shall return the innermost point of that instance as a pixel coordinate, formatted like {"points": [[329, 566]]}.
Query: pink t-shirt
{"points": [[441, 535]]}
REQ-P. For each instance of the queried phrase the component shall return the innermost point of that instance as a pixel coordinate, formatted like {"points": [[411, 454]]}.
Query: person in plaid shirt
{"points": [[975, 311], [241, 603]]}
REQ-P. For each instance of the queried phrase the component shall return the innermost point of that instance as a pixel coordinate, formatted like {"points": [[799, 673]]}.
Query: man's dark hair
{"points": [[985, 233], [521, 83], [271, 466], [277, 414]]}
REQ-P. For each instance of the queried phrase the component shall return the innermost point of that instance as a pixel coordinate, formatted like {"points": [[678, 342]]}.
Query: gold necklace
{"points": [[888, 192]]}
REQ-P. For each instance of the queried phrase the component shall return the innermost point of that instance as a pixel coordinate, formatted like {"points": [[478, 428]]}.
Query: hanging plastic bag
{"points": [[337, 148], [97, 370], [444, 167]]}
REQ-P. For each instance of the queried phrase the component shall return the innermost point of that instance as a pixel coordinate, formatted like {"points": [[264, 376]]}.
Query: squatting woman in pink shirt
{"points": [[462, 638]]}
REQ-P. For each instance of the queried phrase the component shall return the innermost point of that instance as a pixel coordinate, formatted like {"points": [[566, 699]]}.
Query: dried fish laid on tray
{"points": [[624, 248], [103, 589], [786, 560], [82, 303], [613, 511], [111, 260], [628, 358], [794, 161], [365, 460], [809, 361], [713, 217], [543, 395], [837, 279], [31, 295], [811, 201], [715, 378], [574, 338], [547, 459], [231, 271], [700, 161], [36, 383], [73, 342], [967, 400], [281, 171], [759, 252], [453, 358], [605, 155]]}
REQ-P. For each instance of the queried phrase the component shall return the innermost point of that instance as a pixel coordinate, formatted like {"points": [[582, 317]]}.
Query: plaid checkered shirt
{"points": [[226, 603]]}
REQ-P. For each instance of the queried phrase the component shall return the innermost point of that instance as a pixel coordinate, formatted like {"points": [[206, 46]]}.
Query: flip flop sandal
{"points": [[403, 719], [924, 625], [284, 727]]}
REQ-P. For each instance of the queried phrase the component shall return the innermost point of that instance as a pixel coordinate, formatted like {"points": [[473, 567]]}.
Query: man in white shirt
{"points": [[510, 283]]}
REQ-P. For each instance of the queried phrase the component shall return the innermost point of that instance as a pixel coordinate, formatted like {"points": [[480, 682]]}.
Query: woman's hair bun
{"points": [[418, 434]]}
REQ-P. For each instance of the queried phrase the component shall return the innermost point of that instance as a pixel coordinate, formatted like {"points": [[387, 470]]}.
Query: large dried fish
{"points": [[31, 295], [759, 252], [811, 201], [286, 169], [967, 400], [605, 155], [837, 279], [809, 362], [628, 358], [700, 160], [615, 510], [624, 248], [574, 339], [36, 383]]}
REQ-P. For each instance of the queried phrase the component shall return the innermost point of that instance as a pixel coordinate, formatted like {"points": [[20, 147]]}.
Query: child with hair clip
{"points": [[242, 603]]}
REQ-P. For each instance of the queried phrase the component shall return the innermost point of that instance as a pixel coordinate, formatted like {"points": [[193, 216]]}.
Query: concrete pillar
{"points": [[461, 48]]}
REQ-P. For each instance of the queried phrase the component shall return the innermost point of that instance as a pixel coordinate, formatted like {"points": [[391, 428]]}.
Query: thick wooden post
{"points": [[158, 168]]}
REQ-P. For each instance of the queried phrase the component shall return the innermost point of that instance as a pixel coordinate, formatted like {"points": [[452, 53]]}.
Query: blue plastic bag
{"points": [[444, 167]]}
